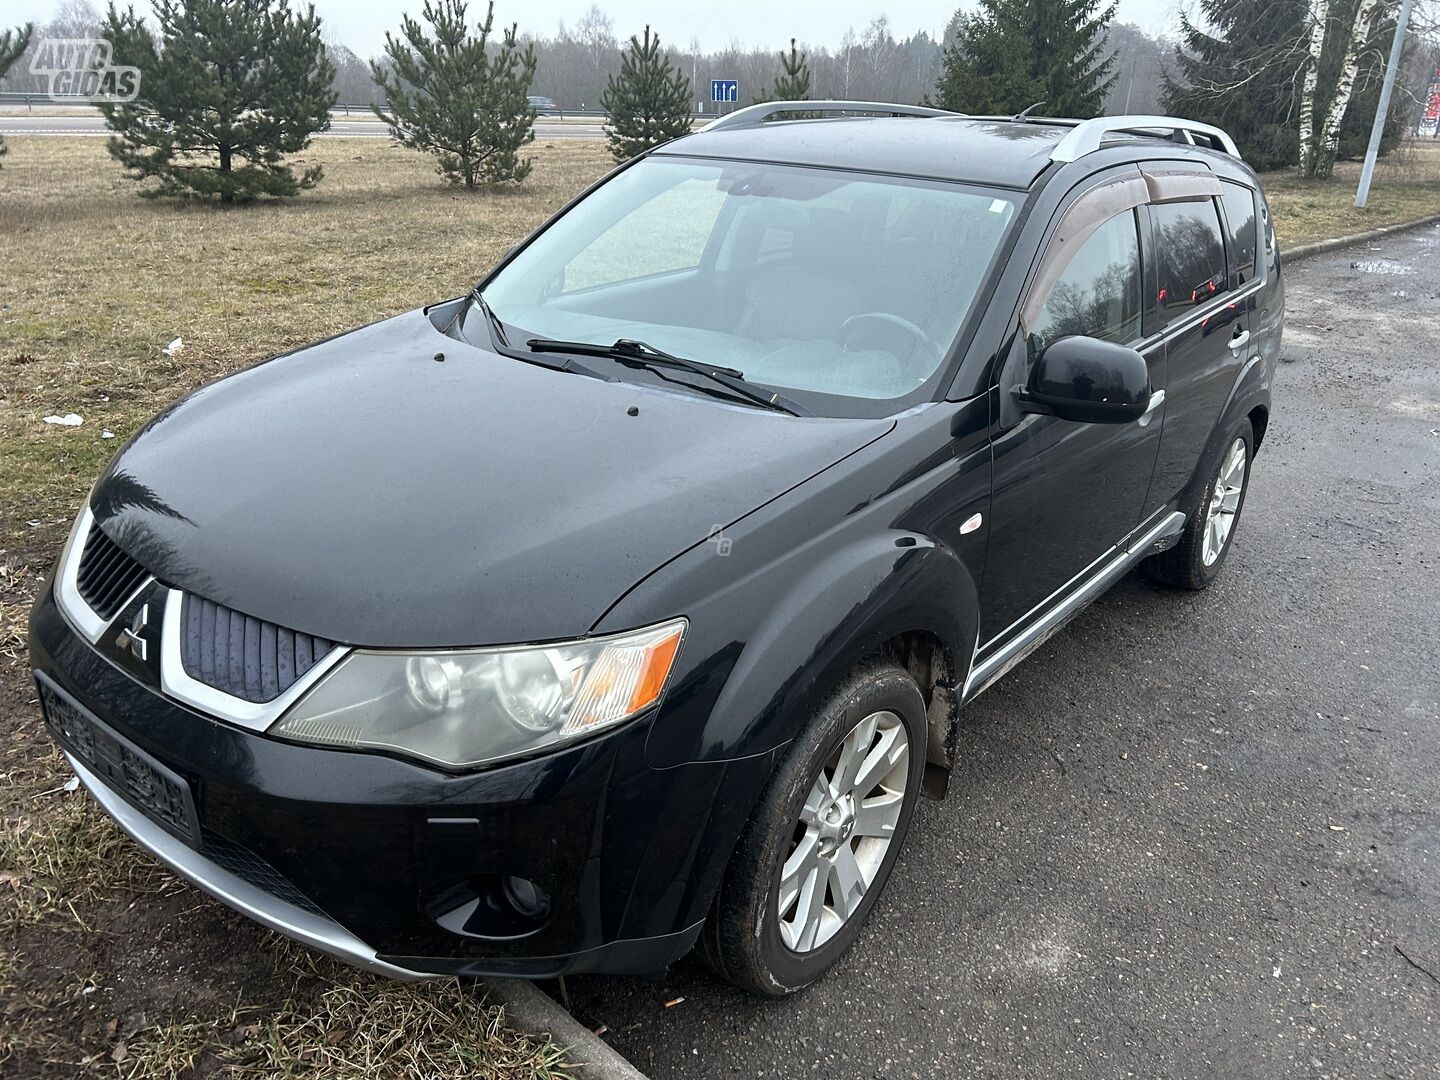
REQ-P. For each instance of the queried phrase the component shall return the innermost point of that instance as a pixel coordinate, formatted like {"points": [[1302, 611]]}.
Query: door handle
{"points": [[1157, 398], [1240, 340]]}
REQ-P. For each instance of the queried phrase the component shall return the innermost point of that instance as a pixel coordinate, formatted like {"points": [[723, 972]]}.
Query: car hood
{"points": [[366, 491]]}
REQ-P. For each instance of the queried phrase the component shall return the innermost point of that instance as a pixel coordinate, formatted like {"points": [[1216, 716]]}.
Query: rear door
{"points": [[1202, 314]]}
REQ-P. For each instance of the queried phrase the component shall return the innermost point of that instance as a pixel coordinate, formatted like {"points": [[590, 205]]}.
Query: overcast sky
{"points": [[361, 24]]}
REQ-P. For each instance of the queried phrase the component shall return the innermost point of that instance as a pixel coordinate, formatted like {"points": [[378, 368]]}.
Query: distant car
{"points": [[629, 602], [544, 106]]}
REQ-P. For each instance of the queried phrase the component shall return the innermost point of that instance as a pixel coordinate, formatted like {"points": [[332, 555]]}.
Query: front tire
{"points": [[1196, 560], [823, 838]]}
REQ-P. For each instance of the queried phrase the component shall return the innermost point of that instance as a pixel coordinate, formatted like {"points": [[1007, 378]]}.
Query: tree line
{"points": [[230, 87]]}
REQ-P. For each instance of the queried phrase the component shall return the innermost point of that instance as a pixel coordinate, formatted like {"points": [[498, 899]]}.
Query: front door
{"points": [[1064, 492]]}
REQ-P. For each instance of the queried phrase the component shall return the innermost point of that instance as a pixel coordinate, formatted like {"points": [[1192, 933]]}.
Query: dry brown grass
{"points": [[98, 281], [350, 1032], [1406, 186]]}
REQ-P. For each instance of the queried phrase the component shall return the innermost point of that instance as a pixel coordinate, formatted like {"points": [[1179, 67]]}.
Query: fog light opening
{"points": [[492, 906]]}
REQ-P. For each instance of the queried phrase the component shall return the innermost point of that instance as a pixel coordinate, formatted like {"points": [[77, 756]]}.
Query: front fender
{"points": [[847, 606], [786, 602]]}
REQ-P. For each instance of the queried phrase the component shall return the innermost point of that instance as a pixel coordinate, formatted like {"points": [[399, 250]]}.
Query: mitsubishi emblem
{"points": [[130, 635]]}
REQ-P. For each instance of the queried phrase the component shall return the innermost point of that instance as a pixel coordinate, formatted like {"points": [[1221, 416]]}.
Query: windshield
{"points": [[804, 279]]}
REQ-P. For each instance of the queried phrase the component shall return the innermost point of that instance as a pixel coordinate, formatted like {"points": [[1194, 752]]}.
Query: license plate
{"points": [[158, 792]]}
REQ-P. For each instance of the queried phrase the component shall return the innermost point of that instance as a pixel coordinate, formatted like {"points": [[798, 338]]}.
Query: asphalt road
{"points": [[1193, 835], [94, 125]]}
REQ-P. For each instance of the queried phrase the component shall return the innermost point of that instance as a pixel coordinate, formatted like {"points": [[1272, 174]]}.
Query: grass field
{"points": [[105, 960], [1406, 186]]}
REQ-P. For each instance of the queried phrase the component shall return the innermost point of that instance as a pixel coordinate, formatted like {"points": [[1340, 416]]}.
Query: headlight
{"points": [[474, 706]]}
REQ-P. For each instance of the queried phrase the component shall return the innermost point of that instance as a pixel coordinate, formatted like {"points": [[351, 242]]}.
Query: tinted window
{"points": [[1098, 295], [1190, 255], [1240, 220]]}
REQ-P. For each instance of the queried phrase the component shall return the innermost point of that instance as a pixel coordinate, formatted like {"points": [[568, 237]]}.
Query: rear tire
{"points": [[1209, 533], [823, 837]]}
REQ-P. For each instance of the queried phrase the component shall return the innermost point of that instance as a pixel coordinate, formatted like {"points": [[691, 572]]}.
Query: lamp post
{"points": [[1382, 109]]}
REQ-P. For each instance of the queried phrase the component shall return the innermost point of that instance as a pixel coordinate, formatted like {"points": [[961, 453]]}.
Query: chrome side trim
{"points": [[1198, 316], [67, 576], [254, 716], [992, 668], [1108, 552], [305, 927]]}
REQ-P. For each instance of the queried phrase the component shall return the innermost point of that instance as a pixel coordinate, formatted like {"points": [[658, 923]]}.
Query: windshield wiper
{"points": [[499, 328], [639, 354], [495, 323]]}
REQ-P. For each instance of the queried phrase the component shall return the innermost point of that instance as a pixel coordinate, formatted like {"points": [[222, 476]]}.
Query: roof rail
{"points": [[755, 114], [1086, 137]]}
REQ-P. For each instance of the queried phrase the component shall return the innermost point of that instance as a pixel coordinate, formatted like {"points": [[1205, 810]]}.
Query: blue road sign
{"points": [[724, 89]]}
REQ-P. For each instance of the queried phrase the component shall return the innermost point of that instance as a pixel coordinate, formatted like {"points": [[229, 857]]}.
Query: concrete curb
{"points": [[1320, 247], [531, 1010]]}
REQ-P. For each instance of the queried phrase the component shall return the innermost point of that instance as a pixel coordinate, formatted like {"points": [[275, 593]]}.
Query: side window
{"points": [[1190, 255], [1240, 222], [1099, 292]]}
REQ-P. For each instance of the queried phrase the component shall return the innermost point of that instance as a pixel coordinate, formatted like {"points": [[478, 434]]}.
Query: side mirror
{"points": [[1089, 381]]}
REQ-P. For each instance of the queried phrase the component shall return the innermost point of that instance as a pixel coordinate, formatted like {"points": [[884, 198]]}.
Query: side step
{"points": [[1158, 537]]}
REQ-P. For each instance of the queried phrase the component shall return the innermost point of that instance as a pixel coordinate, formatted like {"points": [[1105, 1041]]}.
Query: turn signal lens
{"points": [[626, 680]]}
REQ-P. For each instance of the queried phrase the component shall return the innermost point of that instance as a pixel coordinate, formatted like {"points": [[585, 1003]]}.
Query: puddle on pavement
{"points": [[1381, 266], [1417, 407]]}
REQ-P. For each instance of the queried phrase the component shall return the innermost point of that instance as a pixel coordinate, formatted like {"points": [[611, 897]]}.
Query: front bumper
{"points": [[313, 929], [356, 854]]}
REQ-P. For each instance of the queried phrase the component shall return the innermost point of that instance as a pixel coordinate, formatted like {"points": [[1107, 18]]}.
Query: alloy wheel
{"points": [[1224, 503], [845, 829]]}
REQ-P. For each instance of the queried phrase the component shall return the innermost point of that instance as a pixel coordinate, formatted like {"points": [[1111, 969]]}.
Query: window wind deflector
{"points": [[1165, 187]]}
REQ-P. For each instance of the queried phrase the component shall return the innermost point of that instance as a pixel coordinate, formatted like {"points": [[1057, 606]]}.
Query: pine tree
{"points": [[1235, 68], [1250, 67], [648, 103], [1011, 54], [12, 46], [228, 89], [458, 97], [794, 81]]}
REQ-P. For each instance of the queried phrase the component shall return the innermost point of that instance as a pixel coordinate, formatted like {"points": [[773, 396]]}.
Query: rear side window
{"points": [[1099, 293], [1240, 221], [1190, 255]]}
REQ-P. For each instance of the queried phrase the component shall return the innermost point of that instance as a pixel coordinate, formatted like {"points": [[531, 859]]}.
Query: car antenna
{"points": [[1024, 114]]}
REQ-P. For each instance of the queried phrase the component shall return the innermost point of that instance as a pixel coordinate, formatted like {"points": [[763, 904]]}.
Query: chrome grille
{"points": [[241, 655]]}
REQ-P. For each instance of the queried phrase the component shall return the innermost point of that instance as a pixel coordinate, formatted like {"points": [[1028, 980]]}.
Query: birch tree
{"points": [[1292, 80], [1323, 156], [1315, 47]]}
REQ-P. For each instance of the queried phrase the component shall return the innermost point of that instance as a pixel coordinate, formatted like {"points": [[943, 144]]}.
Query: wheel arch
{"points": [[895, 594], [1249, 401]]}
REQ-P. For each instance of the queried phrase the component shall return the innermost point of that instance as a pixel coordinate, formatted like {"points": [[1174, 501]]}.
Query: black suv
{"points": [[632, 600]]}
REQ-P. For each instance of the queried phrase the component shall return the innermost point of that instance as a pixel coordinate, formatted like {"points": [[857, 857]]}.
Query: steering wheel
{"points": [[885, 319]]}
